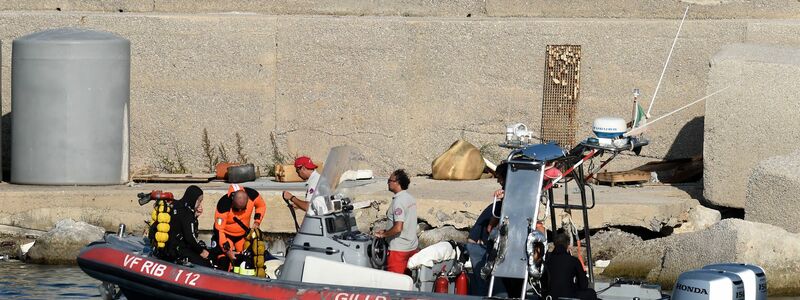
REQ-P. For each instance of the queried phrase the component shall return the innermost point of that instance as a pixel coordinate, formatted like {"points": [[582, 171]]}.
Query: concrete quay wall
{"points": [[402, 89], [647, 9]]}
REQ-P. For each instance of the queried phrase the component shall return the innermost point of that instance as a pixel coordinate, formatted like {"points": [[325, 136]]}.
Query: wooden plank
{"points": [[174, 177], [632, 176]]}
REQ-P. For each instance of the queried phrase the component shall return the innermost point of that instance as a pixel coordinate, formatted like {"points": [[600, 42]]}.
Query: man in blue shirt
{"points": [[478, 240]]}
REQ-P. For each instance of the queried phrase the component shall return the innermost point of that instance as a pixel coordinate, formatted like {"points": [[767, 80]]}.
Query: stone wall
{"points": [[400, 88]]}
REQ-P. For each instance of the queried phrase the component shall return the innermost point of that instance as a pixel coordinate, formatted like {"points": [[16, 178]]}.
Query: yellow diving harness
{"points": [[252, 262]]}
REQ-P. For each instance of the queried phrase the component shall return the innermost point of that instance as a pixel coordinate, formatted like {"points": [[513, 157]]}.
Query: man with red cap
{"points": [[232, 222], [307, 170]]}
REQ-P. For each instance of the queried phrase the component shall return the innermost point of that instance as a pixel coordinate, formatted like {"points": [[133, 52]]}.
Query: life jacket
{"points": [[160, 218]]}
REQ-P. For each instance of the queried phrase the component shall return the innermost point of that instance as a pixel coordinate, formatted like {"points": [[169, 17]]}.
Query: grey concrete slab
{"points": [[753, 120], [772, 192]]}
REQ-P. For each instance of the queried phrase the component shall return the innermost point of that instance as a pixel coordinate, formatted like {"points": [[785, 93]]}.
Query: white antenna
{"points": [[638, 130], [666, 63]]}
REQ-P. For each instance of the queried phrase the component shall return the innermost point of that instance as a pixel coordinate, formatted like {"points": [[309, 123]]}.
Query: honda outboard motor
{"points": [[753, 277], [708, 284]]}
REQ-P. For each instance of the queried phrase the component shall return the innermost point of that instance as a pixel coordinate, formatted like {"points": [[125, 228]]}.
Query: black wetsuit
{"points": [[564, 276], [183, 238], [182, 243]]}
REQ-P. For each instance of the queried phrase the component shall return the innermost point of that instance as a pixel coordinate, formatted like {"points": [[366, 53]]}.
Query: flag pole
{"points": [[636, 131]]}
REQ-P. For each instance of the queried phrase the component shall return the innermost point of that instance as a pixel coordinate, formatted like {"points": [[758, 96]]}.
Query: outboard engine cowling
{"points": [[753, 277], [708, 284]]}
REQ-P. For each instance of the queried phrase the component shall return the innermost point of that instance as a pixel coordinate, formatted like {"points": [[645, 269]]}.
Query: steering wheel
{"points": [[378, 251]]}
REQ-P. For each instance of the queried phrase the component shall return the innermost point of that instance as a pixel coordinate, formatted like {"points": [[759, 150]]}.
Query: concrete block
{"points": [[754, 119], [773, 190], [699, 218]]}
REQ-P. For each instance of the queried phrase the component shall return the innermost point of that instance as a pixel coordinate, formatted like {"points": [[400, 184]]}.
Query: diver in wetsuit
{"points": [[183, 244]]}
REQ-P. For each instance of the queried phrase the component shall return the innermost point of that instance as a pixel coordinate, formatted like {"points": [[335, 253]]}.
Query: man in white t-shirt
{"points": [[402, 231], [307, 170]]}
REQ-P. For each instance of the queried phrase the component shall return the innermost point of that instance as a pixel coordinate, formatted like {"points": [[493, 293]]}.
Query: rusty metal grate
{"points": [[561, 88]]}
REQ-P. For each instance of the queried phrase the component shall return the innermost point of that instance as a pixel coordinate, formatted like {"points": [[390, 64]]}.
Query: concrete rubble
{"points": [[730, 240]]}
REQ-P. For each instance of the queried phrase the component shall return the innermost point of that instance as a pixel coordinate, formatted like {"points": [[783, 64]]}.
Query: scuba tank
{"points": [[160, 218], [255, 245]]}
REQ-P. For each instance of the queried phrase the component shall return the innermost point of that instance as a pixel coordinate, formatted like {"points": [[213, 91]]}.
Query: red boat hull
{"points": [[146, 277]]}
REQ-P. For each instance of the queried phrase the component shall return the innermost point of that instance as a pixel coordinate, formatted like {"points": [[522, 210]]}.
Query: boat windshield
{"points": [[341, 162]]}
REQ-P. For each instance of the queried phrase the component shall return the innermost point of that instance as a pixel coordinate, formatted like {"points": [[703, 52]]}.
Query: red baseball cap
{"points": [[304, 161]]}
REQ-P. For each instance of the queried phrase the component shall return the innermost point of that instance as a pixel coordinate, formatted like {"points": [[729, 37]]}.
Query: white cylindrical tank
{"points": [[70, 91]]}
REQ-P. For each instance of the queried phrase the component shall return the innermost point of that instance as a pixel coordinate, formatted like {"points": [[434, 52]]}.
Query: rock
{"points": [[751, 112], [700, 218], [446, 233], [731, 240], [422, 226], [609, 243], [10, 245], [62, 244], [462, 161], [772, 192], [44, 218]]}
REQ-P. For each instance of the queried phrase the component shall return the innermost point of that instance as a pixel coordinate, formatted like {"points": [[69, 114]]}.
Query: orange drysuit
{"points": [[231, 225]]}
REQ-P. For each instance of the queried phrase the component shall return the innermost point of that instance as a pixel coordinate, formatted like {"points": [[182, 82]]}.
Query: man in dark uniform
{"points": [[478, 240], [182, 244], [563, 274]]}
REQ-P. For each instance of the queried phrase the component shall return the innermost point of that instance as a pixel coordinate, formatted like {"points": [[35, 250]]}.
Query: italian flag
{"points": [[639, 116]]}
